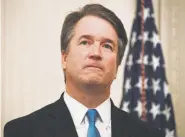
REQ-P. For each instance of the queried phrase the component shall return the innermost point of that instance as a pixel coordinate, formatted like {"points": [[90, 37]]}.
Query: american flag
{"points": [[145, 89]]}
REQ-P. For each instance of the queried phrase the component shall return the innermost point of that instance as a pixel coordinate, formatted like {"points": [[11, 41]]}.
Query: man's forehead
{"points": [[95, 27]]}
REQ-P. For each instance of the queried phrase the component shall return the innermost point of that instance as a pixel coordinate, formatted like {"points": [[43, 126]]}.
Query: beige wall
{"points": [[31, 72], [0, 71]]}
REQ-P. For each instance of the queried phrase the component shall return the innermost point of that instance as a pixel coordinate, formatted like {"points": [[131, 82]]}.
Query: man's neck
{"points": [[90, 96]]}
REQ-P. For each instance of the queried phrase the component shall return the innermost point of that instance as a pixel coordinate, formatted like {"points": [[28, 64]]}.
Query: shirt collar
{"points": [[104, 111], [79, 111], [76, 109]]}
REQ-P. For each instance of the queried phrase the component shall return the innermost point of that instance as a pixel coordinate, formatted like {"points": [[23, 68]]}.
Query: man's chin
{"points": [[92, 81]]}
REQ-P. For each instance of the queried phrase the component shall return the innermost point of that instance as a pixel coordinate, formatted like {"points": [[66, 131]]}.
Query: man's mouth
{"points": [[93, 66]]}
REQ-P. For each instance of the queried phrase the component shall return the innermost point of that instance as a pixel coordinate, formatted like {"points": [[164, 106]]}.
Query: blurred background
{"points": [[31, 74]]}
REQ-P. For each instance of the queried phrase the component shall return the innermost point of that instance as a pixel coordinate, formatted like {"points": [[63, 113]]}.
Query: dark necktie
{"points": [[92, 130]]}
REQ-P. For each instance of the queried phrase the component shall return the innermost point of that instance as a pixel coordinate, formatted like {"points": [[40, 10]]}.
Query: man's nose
{"points": [[95, 52]]}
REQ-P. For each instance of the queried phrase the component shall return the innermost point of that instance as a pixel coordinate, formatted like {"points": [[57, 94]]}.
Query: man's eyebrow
{"points": [[86, 37], [102, 38], [108, 40]]}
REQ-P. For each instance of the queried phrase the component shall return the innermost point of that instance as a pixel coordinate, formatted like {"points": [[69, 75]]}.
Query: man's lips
{"points": [[93, 66]]}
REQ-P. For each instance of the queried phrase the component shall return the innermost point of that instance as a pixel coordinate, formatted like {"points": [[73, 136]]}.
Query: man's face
{"points": [[92, 53]]}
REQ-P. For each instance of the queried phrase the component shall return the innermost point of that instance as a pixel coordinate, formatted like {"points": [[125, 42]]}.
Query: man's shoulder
{"points": [[135, 126], [28, 123]]}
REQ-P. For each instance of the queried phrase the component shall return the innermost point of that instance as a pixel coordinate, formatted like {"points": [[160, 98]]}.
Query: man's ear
{"points": [[63, 59], [115, 75]]}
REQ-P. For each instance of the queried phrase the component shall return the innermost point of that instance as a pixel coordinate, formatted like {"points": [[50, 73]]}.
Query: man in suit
{"points": [[93, 42]]}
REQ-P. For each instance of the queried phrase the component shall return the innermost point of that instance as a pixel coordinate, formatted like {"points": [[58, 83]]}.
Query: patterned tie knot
{"points": [[92, 115]]}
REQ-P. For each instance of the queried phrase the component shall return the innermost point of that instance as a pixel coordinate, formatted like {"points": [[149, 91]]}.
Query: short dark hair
{"points": [[98, 11]]}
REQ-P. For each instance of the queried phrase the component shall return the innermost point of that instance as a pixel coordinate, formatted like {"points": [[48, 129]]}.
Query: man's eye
{"points": [[108, 46], [84, 42]]}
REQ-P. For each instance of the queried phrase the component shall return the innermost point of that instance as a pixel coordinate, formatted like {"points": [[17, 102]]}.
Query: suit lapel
{"points": [[62, 124], [119, 122]]}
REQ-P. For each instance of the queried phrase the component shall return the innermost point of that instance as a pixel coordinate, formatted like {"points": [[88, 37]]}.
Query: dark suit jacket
{"points": [[55, 120]]}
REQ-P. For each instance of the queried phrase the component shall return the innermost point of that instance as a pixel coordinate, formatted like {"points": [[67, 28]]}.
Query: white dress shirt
{"points": [[78, 113]]}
